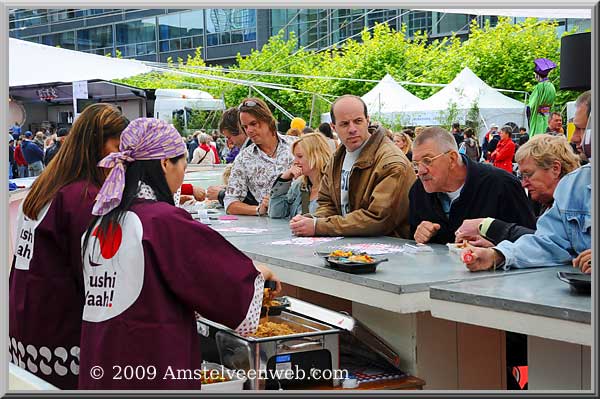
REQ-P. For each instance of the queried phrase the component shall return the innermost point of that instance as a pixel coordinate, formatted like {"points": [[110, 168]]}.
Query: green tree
{"points": [[502, 56]]}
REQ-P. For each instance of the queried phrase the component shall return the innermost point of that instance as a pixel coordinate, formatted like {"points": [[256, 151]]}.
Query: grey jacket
{"points": [[286, 199]]}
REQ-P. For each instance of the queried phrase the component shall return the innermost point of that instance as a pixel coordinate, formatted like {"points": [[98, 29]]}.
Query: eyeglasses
{"points": [[247, 103], [427, 161], [523, 176]]}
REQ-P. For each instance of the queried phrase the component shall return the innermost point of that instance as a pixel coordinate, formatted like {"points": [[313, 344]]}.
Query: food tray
{"points": [[580, 283], [343, 265], [235, 384]]}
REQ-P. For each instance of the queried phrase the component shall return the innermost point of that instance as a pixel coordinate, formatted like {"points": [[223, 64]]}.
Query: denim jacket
{"points": [[286, 199], [563, 232]]}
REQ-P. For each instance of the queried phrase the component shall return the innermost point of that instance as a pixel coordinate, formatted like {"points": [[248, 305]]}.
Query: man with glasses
{"points": [[451, 188], [364, 190], [564, 233], [257, 166]]}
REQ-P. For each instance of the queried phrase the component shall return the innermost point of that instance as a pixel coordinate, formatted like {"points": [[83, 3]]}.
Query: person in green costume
{"points": [[542, 97]]}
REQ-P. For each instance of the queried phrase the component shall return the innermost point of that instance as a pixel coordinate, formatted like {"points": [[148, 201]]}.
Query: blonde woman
{"points": [[203, 155], [292, 195], [403, 141]]}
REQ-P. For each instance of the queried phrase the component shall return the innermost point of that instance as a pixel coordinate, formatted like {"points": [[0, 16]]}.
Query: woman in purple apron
{"points": [[46, 283], [148, 266]]}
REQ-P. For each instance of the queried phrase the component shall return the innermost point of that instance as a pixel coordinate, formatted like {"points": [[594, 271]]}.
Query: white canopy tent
{"points": [[465, 91], [62, 65], [388, 99]]}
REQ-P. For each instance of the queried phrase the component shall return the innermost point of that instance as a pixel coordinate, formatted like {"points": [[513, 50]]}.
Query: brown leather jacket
{"points": [[378, 192]]}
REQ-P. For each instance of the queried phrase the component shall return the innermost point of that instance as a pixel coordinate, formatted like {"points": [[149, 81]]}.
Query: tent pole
{"points": [[312, 109]]}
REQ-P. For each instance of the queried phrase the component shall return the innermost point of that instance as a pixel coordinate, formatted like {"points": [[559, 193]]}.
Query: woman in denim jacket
{"points": [[563, 232], [292, 195]]}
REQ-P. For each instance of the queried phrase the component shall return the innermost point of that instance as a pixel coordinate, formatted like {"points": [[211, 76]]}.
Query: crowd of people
{"points": [[137, 277], [29, 154]]}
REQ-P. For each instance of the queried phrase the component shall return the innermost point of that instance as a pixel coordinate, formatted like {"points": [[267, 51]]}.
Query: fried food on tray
{"points": [[212, 376], [268, 299], [338, 253], [350, 256], [272, 329], [363, 258]]}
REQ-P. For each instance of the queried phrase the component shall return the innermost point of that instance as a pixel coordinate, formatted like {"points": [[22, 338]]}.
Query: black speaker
{"points": [[575, 61]]}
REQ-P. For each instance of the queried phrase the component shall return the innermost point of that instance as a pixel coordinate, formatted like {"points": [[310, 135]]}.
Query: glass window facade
{"points": [[24, 18], [347, 23], [389, 17], [96, 40], [447, 23], [419, 21], [63, 40], [136, 38], [181, 31], [152, 33], [227, 26]]}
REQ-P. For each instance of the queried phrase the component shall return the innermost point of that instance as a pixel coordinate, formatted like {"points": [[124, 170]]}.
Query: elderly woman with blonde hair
{"points": [[543, 161], [296, 190]]}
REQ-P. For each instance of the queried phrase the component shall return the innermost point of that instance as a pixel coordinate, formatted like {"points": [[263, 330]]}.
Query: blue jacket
{"points": [[286, 199], [563, 232], [31, 152]]}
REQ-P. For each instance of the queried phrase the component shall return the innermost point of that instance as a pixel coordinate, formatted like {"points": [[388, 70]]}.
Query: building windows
{"points": [[96, 40], [178, 33], [182, 31], [136, 38], [34, 39], [448, 23], [228, 26], [63, 40], [21, 18], [311, 28], [389, 17], [346, 23], [419, 21], [63, 15]]}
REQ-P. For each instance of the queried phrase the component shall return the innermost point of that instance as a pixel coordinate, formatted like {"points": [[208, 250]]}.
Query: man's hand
{"points": [[263, 208], [199, 193], [212, 192], [479, 241], [468, 230], [584, 261], [302, 226], [478, 259], [293, 172], [425, 231]]}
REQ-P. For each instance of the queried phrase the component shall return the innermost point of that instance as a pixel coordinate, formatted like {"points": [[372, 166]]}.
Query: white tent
{"points": [[32, 63], [465, 91], [388, 99]]}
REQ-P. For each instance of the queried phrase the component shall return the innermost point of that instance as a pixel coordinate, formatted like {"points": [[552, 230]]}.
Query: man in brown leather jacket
{"points": [[364, 191]]}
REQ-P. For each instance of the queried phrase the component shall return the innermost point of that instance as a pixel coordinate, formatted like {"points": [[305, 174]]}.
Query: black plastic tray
{"points": [[580, 283], [351, 267]]}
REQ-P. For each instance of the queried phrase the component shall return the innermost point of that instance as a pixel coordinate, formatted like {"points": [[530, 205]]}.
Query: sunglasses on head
{"points": [[247, 103]]}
